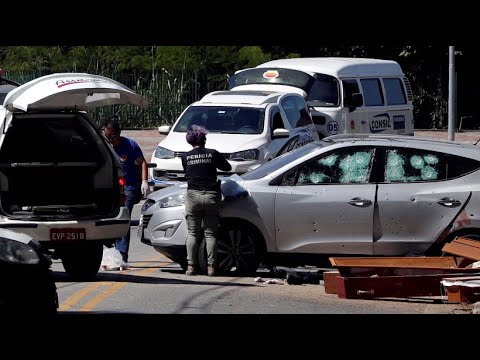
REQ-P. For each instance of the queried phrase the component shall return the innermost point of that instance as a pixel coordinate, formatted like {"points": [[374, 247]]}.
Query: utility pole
{"points": [[452, 94]]}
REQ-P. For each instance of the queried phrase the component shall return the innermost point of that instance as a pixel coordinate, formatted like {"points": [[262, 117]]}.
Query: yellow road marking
{"points": [[112, 288], [90, 305], [79, 295]]}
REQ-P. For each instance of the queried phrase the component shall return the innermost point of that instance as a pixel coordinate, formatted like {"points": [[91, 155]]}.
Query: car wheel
{"points": [[237, 250], [82, 261]]}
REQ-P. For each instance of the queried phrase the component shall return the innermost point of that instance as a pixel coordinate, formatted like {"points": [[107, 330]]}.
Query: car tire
{"points": [[237, 250], [82, 261]]}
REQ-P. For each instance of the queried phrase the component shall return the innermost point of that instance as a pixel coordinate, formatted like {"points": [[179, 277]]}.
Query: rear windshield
{"points": [[275, 76], [223, 119]]}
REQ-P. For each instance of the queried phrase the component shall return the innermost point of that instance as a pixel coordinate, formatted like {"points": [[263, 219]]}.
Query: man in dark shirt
{"points": [[203, 197], [131, 156]]}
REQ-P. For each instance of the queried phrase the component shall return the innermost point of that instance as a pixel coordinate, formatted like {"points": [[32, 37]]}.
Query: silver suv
{"points": [[60, 179]]}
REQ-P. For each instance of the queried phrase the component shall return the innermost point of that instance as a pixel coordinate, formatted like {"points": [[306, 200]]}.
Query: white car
{"points": [[374, 195], [249, 128], [60, 179]]}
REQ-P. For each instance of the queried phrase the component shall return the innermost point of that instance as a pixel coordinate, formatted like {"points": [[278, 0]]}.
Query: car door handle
{"points": [[449, 202], [359, 202]]}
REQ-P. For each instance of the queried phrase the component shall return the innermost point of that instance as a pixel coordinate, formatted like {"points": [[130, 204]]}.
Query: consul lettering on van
{"points": [[379, 123]]}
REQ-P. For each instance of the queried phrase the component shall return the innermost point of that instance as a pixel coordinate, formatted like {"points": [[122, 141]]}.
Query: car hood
{"points": [[224, 143], [232, 187], [70, 91]]}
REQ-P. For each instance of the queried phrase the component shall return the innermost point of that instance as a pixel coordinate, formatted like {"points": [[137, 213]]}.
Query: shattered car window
{"points": [[353, 167], [412, 166]]}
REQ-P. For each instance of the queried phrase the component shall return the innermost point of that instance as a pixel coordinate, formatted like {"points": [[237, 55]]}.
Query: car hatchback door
{"points": [[66, 91], [326, 205]]}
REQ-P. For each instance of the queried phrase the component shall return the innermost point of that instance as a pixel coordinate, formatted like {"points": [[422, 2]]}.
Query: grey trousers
{"points": [[202, 207]]}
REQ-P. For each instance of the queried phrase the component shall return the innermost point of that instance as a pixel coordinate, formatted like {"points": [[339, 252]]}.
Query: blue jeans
{"points": [[123, 244], [202, 207]]}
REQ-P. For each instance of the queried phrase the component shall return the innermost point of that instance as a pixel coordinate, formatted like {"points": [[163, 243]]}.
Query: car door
{"points": [[302, 129], [326, 204], [416, 201]]}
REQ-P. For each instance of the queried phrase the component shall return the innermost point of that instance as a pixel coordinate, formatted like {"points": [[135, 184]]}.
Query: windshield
{"points": [[223, 119], [271, 166], [322, 89], [276, 76]]}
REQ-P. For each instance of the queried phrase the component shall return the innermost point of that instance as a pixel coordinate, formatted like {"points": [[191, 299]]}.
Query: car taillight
{"points": [[352, 124], [122, 183]]}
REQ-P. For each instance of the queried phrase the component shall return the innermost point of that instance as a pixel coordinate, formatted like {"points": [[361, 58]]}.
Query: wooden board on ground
{"points": [[462, 289], [361, 287], [330, 281], [464, 247], [396, 266]]}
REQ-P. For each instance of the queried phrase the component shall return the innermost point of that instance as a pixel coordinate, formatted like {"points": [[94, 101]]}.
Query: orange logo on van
{"points": [[271, 74]]}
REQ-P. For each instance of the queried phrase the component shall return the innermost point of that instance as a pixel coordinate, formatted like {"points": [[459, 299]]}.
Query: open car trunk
{"points": [[55, 167]]}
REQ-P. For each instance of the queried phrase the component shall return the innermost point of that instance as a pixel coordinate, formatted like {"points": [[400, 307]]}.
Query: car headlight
{"points": [[147, 204], [172, 200], [17, 252], [162, 153], [244, 155]]}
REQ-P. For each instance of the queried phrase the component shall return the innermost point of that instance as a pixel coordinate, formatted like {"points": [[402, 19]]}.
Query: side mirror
{"points": [[280, 133], [356, 101], [164, 129]]}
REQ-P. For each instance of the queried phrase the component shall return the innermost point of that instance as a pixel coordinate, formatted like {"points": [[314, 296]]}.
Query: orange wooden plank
{"points": [[464, 247], [463, 293], [329, 281], [395, 262], [359, 287]]}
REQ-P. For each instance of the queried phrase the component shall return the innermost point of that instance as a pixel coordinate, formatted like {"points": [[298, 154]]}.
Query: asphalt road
{"points": [[155, 285]]}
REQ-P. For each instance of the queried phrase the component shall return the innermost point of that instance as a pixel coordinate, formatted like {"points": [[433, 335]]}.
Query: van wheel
{"points": [[82, 261], [237, 250]]}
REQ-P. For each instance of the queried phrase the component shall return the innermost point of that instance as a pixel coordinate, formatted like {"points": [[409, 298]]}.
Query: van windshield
{"points": [[223, 119], [276, 76], [322, 89]]}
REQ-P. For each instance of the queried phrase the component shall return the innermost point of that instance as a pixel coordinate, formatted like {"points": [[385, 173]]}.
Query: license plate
{"points": [[68, 234]]}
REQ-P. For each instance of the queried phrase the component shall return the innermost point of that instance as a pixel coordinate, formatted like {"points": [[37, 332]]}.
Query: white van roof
{"points": [[339, 66], [240, 97]]}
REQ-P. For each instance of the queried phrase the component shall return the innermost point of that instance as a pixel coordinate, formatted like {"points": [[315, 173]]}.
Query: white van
{"points": [[247, 127], [345, 95]]}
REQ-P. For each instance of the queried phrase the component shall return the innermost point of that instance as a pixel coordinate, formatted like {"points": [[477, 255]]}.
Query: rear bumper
{"points": [[95, 229]]}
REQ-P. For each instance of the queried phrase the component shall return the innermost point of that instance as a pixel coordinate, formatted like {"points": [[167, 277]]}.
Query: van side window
{"points": [[394, 91], [324, 90], [350, 87], [372, 92]]}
